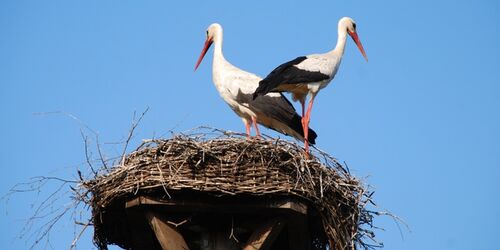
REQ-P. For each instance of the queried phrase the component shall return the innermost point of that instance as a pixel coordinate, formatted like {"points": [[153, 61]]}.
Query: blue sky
{"points": [[419, 122]]}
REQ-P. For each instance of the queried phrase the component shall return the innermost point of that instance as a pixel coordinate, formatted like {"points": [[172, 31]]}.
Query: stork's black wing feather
{"points": [[288, 73]]}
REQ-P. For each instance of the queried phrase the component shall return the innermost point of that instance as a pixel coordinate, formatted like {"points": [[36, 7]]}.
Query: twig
{"points": [[131, 132], [68, 115], [231, 235], [103, 161], [87, 157], [180, 223], [73, 244], [397, 221], [48, 227]]}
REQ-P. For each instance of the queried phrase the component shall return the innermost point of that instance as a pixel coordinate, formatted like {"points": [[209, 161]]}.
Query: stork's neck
{"points": [[219, 64], [218, 56], [341, 40]]}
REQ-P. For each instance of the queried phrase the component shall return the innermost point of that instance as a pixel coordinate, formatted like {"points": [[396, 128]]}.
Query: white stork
{"points": [[236, 86], [308, 74]]}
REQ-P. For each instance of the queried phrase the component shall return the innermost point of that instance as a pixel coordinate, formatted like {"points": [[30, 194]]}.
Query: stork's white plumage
{"points": [[308, 74], [236, 87]]}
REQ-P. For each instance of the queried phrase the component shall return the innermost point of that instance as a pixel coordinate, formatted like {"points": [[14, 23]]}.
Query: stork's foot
{"points": [[254, 137], [306, 153], [257, 132]]}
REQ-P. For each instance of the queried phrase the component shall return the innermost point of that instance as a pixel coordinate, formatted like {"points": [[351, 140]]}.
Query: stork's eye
{"points": [[354, 25]]}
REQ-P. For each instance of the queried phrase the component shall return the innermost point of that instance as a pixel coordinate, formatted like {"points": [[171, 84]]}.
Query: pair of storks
{"points": [[258, 100]]}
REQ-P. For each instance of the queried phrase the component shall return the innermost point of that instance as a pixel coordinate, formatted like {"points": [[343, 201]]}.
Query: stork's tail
{"points": [[312, 137], [296, 125]]}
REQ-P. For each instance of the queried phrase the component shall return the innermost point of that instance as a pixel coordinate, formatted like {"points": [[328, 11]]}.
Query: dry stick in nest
{"points": [[87, 156], [131, 132]]}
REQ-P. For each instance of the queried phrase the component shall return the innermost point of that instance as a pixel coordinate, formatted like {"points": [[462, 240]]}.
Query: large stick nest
{"points": [[228, 164]]}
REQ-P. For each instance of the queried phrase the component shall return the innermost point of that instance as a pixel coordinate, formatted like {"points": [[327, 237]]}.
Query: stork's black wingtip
{"points": [[312, 137]]}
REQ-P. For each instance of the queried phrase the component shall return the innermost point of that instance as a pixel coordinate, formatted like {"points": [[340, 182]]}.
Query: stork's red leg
{"points": [[302, 103], [254, 121], [247, 127], [302, 120], [305, 125]]}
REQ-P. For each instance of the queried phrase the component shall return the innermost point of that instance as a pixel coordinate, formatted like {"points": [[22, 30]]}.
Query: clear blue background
{"points": [[419, 122]]}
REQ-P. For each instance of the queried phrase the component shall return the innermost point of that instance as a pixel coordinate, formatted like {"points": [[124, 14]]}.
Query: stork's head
{"points": [[346, 24], [214, 33]]}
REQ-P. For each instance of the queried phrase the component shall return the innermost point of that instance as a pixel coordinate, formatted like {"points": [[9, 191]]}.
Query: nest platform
{"points": [[224, 191]]}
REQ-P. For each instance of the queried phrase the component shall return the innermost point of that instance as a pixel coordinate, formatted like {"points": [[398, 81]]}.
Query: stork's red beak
{"points": [[355, 37], [208, 42]]}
